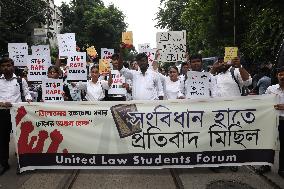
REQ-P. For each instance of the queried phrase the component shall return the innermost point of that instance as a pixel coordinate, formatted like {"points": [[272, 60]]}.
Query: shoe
{"points": [[263, 169], [281, 173], [3, 169]]}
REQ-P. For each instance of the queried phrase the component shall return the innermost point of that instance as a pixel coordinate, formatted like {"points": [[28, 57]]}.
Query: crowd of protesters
{"points": [[143, 82]]}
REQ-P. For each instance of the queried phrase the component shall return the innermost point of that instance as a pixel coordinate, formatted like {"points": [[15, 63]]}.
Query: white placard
{"points": [[37, 66], [172, 46], [106, 53], [144, 48], [52, 90], [77, 67], [151, 56], [66, 44], [197, 85], [18, 52], [117, 83], [40, 50]]}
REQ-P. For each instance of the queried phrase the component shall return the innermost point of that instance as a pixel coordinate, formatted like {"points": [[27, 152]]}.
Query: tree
{"points": [[93, 23], [210, 25], [16, 18]]}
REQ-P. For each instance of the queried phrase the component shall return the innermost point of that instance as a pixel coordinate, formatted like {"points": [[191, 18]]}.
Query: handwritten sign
{"points": [[66, 44], [144, 48], [104, 66], [230, 53], [127, 37], [42, 51], [18, 52], [52, 90], [37, 67], [172, 46], [106, 53], [151, 56], [77, 67], [117, 83], [197, 85]]}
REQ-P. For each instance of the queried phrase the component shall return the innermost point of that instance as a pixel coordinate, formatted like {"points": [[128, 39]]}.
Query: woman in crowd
{"points": [[95, 87], [54, 73], [173, 85]]}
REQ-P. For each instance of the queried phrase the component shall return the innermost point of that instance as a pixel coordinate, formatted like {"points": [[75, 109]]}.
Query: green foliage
{"points": [[93, 23], [210, 25], [15, 20]]}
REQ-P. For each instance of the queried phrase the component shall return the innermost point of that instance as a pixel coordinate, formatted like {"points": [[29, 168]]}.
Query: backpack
{"points": [[19, 80], [244, 90]]}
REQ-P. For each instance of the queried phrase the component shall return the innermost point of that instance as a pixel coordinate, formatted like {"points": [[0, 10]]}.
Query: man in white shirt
{"points": [[145, 82], [278, 90], [10, 92], [229, 78]]}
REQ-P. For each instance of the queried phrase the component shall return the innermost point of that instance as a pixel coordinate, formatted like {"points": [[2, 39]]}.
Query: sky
{"points": [[140, 15]]}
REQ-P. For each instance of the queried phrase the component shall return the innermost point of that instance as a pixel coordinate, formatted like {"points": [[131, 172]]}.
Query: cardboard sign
{"points": [[104, 66], [92, 51], [18, 52], [52, 90], [106, 53], [77, 70], [230, 53], [117, 83], [172, 46], [197, 85], [37, 67], [144, 48], [127, 37], [66, 44]]}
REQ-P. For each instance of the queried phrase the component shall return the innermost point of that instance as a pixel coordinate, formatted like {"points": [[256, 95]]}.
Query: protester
{"points": [[12, 90], [118, 97], [173, 85], [278, 90], [265, 80], [229, 78], [95, 87], [145, 82], [196, 66], [54, 72]]}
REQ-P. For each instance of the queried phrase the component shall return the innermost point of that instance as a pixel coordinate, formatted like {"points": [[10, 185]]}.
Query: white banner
{"points": [[41, 50], [146, 134]]}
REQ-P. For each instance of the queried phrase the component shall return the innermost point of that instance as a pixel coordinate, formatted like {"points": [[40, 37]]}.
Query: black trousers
{"points": [[5, 130], [281, 138]]}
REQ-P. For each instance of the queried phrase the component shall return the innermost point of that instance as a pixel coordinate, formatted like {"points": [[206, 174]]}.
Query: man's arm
{"points": [[245, 76]]}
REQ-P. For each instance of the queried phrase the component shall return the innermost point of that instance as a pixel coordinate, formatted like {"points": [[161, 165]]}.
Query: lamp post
{"points": [[235, 22]]}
